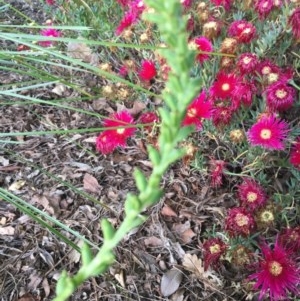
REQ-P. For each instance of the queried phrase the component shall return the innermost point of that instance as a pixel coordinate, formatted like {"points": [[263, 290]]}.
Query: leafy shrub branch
{"points": [[179, 92]]}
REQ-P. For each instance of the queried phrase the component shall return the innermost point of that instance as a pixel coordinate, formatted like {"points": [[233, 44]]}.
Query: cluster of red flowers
{"points": [[118, 130], [276, 272], [119, 127]]}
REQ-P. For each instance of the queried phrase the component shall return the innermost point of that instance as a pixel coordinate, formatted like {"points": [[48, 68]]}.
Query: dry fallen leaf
{"points": [[193, 264], [120, 278], [138, 107], [184, 231], [59, 89], [46, 287], [168, 211], [17, 185], [74, 256], [9, 230], [27, 297], [83, 52], [91, 184], [42, 200], [34, 280], [170, 282], [153, 242], [179, 295]]}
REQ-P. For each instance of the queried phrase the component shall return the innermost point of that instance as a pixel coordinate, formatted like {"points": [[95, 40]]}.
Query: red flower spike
{"points": [[216, 168], [50, 2], [49, 32], [269, 132], [251, 195], [239, 222], [223, 86], [277, 274], [280, 96], [213, 248], [147, 71], [112, 138], [247, 63], [294, 21], [295, 154], [196, 111], [203, 44]]}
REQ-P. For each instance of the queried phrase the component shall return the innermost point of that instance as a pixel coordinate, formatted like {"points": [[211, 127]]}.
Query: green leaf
{"points": [[107, 229], [140, 180], [154, 155], [86, 254]]}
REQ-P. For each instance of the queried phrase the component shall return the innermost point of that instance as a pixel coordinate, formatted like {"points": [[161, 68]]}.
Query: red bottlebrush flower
{"points": [[243, 93], [294, 21], [49, 32], [247, 63], [223, 86], [242, 30], [203, 44], [280, 96], [295, 154], [213, 248], [264, 68], [251, 194], [128, 20], [290, 239], [239, 222], [110, 139], [197, 110], [268, 132], [148, 117], [50, 2], [277, 274], [221, 116], [225, 3], [216, 168], [263, 7], [147, 71]]}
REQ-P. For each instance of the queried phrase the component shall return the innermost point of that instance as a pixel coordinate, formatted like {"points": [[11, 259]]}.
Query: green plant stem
{"points": [[172, 26]]}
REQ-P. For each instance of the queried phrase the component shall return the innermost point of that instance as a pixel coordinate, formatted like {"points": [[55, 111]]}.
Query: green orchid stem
{"points": [[181, 91]]}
